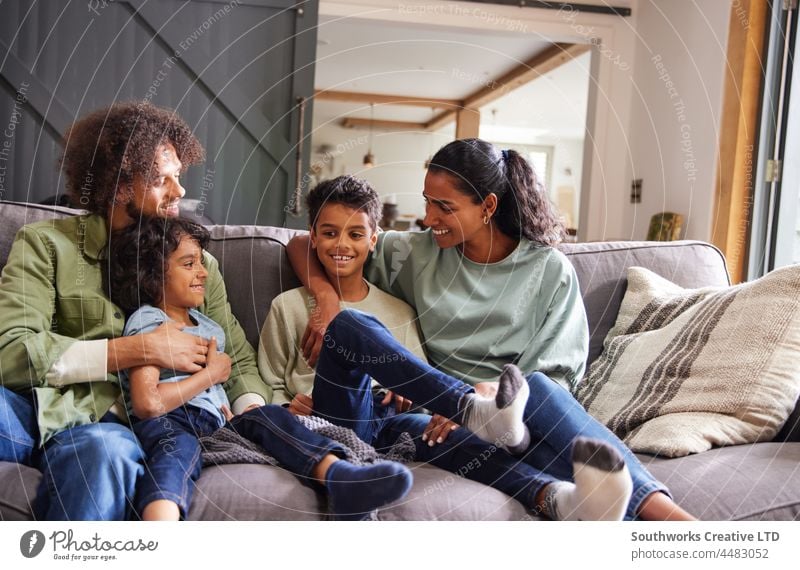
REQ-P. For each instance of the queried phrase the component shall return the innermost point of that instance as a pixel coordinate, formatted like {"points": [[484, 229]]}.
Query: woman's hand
{"points": [[438, 429], [301, 405], [218, 364], [401, 404], [321, 316]]}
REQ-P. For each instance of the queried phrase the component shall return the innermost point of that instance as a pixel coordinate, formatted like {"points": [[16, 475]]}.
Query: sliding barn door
{"points": [[235, 70]]}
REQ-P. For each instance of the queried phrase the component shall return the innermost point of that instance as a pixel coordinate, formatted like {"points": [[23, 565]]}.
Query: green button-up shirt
{"points": [[51, 296]]}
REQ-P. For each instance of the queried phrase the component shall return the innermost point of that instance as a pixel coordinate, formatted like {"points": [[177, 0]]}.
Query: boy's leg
{"points": [[171, 445], [353, 491], [357, 346], [601, 492], [89, 473], [19, 431], [555, 420]]}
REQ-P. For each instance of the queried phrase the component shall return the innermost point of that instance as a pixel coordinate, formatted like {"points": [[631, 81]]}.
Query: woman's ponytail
{"points": [[526, 209], [480, 169]]}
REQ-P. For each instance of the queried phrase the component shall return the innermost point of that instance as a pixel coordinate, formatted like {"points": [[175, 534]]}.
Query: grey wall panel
{"points": [[227, 67]]}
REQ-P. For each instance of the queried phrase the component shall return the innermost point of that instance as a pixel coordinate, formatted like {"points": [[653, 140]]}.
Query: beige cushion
{"points": [[687, 369]]}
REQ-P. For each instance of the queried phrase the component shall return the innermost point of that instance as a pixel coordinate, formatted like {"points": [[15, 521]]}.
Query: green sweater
{"points": [[475, 317], [51, 296]]}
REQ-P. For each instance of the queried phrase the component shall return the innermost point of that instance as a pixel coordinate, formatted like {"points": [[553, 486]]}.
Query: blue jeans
{"points": [[462, 452], [89, 471], [171, 444], [357, 346]]}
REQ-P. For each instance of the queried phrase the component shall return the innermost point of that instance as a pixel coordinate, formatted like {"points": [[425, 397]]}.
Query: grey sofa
{"points": [[748, 482]]}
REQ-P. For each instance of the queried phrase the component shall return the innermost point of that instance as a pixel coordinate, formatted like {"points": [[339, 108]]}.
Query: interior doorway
{"points": [[390, 91]]}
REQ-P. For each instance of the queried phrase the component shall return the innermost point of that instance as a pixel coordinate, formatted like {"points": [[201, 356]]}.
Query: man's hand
{"points": [[171, 348], [401, 404], [438, 429], [321, 316], [301, 405], [218, 365]]}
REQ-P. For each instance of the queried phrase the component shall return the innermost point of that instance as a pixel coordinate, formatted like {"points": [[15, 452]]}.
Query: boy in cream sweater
{"points": [[344, 212]]}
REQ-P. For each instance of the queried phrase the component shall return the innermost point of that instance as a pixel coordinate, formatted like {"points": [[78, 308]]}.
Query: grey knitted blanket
{"points": [[226, 446]]}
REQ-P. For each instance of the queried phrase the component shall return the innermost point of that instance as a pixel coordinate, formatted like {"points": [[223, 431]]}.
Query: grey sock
{"points": [[498, 420], [602, 485]]}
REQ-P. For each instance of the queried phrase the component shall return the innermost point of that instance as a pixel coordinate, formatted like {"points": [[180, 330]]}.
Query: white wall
{"points": [[634, 130], [399, 156], [674, 133], [606, 181]]}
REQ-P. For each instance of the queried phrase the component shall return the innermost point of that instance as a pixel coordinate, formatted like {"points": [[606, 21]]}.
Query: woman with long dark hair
{"points": [[493, 296]]}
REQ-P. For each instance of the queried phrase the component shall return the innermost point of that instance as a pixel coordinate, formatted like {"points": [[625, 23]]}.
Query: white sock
{"points": [[499, 420], [602, 487]]}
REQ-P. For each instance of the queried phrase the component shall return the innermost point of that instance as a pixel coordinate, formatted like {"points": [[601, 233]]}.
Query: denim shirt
{"points": [[148, 318]]}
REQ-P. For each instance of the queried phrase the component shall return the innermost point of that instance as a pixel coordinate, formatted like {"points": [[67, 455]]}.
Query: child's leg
{"points": [[170, 443], [353, 491], [357, 346]]}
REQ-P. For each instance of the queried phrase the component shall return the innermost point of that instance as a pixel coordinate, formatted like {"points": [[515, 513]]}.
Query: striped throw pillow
{"points": [[683, 370]]}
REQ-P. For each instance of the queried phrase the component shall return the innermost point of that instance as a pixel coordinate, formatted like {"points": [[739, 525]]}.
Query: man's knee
{"points": [[101, 442]]}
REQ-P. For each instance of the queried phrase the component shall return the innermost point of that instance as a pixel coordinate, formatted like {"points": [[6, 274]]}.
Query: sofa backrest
{"points": [[252, 259], [254, 265], [602, 273], [255, 268]]}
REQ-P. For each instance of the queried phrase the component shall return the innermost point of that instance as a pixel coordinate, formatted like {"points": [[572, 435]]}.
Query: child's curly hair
{"points": [[105, 150], [137, 258]]}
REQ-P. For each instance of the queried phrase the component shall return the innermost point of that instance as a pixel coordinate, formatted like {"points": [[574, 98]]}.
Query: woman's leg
{"points": [[357, 346], [468, 456], [173, 456], [555, 419]]}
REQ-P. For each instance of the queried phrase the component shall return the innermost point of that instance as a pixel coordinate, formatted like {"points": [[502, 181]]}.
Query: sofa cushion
{"points": [[18, 485], [255, 268], [743, 482], [687, 369], [253, 492], [261, 492], [439, 495], [602, 270]]}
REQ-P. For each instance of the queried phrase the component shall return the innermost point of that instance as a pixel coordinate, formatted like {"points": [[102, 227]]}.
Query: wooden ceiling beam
{"points": [[379, 99], [543, 62], [356, 123]]}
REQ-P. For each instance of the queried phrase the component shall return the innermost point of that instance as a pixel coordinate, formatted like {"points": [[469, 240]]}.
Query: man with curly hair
{"points": [[61, 343]]}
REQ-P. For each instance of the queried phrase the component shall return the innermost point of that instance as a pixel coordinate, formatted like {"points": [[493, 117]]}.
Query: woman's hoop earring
{"points": [[486, 220]]}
